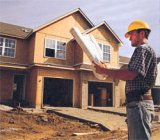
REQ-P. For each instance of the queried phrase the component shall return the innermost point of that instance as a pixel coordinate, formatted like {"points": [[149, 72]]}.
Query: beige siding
{"points": [[58, 32], [31, 87], [21, 53], [6, 82], [31, 49], [104, 36]]}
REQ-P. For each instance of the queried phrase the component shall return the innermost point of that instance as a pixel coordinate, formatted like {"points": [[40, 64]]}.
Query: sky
{"points": [[117, 13]]}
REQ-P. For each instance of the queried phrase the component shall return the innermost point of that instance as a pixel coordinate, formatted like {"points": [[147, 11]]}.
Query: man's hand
{"points": [[100, 68]]}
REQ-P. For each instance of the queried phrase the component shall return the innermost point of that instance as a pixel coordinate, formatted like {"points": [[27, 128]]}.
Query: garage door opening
{"points": [[100, 94], [58, 92]]}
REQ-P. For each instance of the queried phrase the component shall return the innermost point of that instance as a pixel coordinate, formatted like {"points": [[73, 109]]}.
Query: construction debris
{"points": [[87, 133]]}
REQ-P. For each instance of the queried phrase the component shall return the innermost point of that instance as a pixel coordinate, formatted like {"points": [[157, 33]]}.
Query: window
{"points": [[54, 48], [106, 52], [50, 48], [7, 47]]}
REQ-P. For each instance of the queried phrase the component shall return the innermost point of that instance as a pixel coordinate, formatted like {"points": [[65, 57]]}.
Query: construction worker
{"points": [[140, 77]]}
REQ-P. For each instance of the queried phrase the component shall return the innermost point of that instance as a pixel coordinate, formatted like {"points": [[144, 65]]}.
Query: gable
{"points": [[103, 35], [61, 28], [104, 32], [66, 15]]}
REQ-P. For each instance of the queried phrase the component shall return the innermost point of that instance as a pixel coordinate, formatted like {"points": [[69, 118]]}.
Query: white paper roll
{"points": [[91, 48]]}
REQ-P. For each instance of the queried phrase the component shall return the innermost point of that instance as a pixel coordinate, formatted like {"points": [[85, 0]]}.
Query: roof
{"points": [[124, 60], [14, 30], [61, 17], [108, 27]]}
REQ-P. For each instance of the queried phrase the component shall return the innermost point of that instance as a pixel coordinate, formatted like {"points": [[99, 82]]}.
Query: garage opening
{"points": [[58, 92], [100, 94]]}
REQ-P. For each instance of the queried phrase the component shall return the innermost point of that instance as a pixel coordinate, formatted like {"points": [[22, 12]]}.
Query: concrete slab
{"points": [[107, 121], [114, 110]]}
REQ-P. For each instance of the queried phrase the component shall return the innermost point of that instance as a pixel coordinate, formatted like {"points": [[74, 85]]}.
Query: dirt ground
{"points": [[20, 125]]}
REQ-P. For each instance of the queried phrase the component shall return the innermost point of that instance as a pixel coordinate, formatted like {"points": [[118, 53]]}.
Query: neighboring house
{"points": [[156, 88], [123, 61], [46, 66], [157, 84]]}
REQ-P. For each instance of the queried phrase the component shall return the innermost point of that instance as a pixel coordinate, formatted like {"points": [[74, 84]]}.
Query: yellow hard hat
{"points": [[137, 24]]}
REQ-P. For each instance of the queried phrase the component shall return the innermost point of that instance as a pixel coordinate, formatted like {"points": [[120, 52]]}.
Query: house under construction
{"points": [[46, 66]]}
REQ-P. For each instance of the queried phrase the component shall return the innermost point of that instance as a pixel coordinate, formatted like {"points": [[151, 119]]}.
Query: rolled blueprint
{"points": [[91, 48]]}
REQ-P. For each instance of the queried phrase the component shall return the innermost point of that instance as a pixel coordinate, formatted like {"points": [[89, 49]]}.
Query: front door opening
{"points": [[100, 94], [58, 92]]}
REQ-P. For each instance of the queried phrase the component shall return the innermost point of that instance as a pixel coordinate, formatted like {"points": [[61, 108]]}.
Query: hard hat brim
{"points": [[136, 25]]}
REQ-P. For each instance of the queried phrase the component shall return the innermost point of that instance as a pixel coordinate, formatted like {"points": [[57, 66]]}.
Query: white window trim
{"points": [[3, 47], [105, 52], [55, 48]]}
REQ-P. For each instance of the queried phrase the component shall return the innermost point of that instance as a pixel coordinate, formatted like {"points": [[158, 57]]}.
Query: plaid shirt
{"points": [[144, 62]]}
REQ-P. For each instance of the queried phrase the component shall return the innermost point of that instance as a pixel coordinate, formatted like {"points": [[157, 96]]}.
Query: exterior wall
{"points": [[108, 40], [61, 33], [35, 88], [78, 54], [31, 86], [31, 49], [85, 78], [6, 82], [104, 36], [80, 85], [21, 53], [83, 90]]}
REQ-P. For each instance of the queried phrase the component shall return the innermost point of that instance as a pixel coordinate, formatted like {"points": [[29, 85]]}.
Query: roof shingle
{"points": [[14, 30]]}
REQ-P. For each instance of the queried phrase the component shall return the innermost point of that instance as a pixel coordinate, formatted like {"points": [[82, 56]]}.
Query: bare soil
{"points": [[20, 125]]}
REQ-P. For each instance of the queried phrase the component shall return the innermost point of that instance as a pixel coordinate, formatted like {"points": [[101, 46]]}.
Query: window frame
{"points": [[56, 48], [109, 53], [4, 47]]}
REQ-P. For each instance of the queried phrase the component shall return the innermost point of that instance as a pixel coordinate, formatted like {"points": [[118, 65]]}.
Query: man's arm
{"points": [[121, 74]]}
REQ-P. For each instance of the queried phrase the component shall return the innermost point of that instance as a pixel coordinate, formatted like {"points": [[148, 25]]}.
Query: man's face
{"points": [[135, 38]]}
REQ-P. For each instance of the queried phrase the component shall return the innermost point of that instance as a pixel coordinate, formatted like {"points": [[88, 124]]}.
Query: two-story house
{"points": [[46, 66]]}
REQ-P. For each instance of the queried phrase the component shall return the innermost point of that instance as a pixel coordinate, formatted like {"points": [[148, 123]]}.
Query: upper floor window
{"points": [[106, 52], [7, 47], [54, 48]]}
